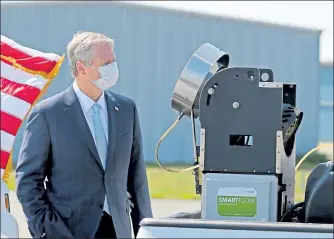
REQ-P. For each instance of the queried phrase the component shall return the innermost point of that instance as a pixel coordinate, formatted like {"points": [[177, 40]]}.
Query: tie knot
{"points": [[96, 107]]}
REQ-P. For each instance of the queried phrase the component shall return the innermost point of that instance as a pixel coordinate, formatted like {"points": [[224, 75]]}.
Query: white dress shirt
{"points": [[86, 106]]}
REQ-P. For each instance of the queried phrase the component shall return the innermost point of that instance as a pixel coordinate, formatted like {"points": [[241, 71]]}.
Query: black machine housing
{"points": [[248, 126], [252, 116]]}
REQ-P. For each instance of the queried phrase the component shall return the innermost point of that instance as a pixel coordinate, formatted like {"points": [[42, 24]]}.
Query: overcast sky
{"points": [[317, 15]]}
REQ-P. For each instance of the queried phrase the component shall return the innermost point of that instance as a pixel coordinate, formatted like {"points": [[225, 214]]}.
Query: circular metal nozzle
{"points": [[202, 65]]}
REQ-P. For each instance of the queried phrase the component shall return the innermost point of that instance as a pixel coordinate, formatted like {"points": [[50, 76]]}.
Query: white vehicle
{"points": [[9, 226], [187, 227], [245, 161]]}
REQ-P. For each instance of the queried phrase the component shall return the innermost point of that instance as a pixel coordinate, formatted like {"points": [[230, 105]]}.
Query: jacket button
{"points": [[101, 206]]}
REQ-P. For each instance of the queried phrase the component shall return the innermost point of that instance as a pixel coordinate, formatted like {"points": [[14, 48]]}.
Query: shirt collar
{"points": [[86, 102]]}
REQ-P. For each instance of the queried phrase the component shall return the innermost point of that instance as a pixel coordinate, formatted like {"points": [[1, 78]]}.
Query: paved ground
{"points": [[160, 207]]}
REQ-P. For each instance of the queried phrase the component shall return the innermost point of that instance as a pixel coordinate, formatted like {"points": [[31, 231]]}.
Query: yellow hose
{"points": [[196, 166], [311, 151], [157, 151]]}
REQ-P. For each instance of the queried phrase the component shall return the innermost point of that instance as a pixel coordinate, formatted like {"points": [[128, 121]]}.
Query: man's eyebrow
{"points": [[109, 62]]}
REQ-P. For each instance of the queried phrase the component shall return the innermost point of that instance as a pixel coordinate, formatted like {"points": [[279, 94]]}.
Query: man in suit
{"points": [[87, 142]]}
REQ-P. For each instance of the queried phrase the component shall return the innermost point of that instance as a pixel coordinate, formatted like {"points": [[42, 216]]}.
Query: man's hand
{"points": [[130, 202]]}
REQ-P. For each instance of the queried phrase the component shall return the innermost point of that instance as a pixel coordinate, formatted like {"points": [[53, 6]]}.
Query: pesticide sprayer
{"points": [[244, 165]]}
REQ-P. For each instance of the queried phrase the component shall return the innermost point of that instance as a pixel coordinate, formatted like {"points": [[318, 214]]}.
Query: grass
{"points": [[169, 185]]}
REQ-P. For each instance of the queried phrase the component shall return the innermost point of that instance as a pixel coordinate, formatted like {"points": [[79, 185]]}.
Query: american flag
{"points": [[25, 75]]}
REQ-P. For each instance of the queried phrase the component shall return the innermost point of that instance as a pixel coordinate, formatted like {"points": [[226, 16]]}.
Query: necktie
{"points": [[100, 142]]}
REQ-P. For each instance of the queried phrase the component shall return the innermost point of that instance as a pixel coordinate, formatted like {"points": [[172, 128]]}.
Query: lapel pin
{"points": [[116, 108]]}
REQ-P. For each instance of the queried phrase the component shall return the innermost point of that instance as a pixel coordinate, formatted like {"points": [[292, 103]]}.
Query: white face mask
{"points": [[109, 76]]}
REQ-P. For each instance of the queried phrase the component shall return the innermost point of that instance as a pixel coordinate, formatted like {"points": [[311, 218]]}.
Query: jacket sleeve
{"points": [[137, 178], [31, 171]]}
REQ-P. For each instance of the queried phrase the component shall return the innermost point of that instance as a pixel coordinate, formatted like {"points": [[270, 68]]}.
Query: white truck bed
{"points": [[189, 226]]}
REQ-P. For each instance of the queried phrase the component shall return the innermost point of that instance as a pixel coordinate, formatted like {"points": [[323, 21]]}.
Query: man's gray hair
{"points": [[80, 47]]}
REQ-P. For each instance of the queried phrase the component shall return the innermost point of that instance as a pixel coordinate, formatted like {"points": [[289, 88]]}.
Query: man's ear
{"points": [[81, 67]]}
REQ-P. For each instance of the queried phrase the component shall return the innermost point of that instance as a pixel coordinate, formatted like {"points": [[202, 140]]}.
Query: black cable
{"points": [[290, 211], [180, 116]]}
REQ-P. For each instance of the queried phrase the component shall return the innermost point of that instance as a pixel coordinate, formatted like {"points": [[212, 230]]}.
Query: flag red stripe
{"points": [[35, 63], [9, 123], [4, 159], [24, 92]]}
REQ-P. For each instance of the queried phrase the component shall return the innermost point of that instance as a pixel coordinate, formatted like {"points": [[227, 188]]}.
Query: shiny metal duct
{"points": [[203, 64]]}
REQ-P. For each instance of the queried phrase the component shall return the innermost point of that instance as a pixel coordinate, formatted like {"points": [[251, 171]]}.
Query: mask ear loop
{"points": [[92, 67], [88, 78]]}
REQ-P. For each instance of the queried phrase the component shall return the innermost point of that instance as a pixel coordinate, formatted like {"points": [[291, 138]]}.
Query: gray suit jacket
{"points": [[57, 144]]}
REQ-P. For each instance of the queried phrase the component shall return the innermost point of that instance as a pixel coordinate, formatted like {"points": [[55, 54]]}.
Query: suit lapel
{"points": [[112, 107], [77, 118]]}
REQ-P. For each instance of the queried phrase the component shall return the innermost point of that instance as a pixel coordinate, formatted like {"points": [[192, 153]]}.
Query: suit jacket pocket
{"points": [[88, 221], [122, 134], [124, 145]]}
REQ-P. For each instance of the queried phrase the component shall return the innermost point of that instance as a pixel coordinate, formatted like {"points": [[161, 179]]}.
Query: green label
{"points": [[237, 206]]}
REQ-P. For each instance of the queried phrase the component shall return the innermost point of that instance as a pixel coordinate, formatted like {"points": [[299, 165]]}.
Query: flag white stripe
{"points": [[29, 51], [7, 141], [14, 106], [13, 74], [2, 173]]}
